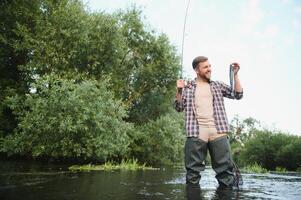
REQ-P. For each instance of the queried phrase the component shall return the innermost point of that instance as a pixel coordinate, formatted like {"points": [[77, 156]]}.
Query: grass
{"points": [[280, 169], [129, 165], [255, 168]]}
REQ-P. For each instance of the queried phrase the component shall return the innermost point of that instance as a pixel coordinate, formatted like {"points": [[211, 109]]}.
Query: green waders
{"points": [[195, 155], [221, 160]]}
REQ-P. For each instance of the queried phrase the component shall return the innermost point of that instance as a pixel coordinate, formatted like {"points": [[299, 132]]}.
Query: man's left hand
{"points": [[236, 68]]}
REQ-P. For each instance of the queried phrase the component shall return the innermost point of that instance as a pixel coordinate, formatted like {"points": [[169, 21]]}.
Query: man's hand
{"points": [[236, 68], [237, 85], [180, 84]]}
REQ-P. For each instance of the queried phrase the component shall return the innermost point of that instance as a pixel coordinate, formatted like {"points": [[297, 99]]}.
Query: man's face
{"points": [[203, 70]]}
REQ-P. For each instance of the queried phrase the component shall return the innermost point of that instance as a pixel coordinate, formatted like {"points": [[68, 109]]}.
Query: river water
{"points": [[28, 180]]}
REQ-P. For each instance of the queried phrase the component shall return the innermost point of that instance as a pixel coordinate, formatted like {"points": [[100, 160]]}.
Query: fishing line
{"points": [[231, 71]]}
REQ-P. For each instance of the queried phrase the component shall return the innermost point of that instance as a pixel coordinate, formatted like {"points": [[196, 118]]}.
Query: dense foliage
{"points": [[161, 140], [78, 84], [64, 119], [272, 150]]}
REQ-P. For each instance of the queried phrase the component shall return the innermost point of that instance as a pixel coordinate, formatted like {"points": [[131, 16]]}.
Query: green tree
{"points": [[149, 69], [68, 47], [14, 15]]}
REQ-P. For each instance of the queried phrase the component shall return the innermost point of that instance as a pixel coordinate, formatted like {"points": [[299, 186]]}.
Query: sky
{"points": [[264, 36]]}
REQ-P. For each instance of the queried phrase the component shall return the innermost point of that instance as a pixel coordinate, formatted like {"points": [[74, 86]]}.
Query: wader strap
{"points": [[238, 177]]}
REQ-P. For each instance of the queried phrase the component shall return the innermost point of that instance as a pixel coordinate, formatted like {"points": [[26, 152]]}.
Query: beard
{"points": [[206, 76]]}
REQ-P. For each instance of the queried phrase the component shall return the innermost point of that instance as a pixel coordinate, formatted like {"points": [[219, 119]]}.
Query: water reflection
{"points": [[194, 192], [224, 194]]}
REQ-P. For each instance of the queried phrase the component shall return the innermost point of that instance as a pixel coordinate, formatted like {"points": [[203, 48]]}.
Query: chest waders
{"points": [[227, 174]]}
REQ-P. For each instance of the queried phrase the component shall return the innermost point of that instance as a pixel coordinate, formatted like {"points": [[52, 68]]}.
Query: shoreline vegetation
{"points": [[134, 165], [258, 169], [128, 165], [255, 168]]}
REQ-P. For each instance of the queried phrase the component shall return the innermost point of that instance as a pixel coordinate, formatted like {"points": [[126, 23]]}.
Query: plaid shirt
{"points": [[219, 90]]}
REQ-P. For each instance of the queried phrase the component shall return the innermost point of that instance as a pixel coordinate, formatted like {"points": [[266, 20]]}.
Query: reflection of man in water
{"points": [[206, 123], [195, 193]]}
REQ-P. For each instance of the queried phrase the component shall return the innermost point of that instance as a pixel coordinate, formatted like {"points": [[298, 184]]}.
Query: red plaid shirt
{"points": [[219, 90]]}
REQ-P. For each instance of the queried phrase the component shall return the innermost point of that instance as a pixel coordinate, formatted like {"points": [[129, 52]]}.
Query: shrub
{"points": [[255, 168], [68, 119], [273, 149], [280, 169], [160, 141]]}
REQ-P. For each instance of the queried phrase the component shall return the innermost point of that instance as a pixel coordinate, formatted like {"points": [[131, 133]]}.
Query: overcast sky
{"points": [[263, 36]]}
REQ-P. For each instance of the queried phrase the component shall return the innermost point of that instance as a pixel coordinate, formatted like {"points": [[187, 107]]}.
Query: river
{"points": [[32, 180]]}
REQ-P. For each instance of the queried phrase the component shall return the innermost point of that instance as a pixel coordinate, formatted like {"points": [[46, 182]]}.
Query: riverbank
{"points": [[256, 168], [131, 164]]}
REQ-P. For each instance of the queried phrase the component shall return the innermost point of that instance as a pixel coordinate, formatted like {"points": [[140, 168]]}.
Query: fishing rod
{"points": [[183, 41], [231, 71], [183, 38]]}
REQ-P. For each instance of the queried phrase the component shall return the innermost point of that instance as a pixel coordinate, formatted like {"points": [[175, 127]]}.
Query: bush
{"points": [[236, 148], [271, 150], [68, 119], [160, 141], [255, 168], [280, 169]]}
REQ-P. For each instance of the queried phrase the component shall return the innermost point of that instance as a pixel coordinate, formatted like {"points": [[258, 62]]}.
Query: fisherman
{"points": [[206, 123]]}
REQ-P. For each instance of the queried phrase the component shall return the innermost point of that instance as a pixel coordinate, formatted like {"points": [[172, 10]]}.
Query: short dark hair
{"points": [[198, 60]]}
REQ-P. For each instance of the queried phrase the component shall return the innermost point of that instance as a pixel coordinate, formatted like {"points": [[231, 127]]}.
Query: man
{"points": [[206, 123]]}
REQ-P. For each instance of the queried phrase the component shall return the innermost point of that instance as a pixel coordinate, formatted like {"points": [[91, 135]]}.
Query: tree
{"points": [[14, 15], [149, 69], [243, 129], [68, 47], [66, 119]]}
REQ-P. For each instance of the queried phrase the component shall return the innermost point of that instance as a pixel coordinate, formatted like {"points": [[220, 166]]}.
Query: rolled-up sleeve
{"points": [[179, 106], [227, 92], [238, 95]]}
